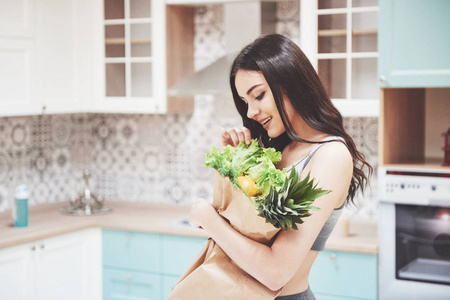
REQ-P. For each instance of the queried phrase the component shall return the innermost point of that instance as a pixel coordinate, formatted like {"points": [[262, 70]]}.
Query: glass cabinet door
{"points": [[346, 53], [129, 50]]}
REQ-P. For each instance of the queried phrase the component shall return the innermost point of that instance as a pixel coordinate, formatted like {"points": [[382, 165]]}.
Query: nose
{"points": [[252, 110]]}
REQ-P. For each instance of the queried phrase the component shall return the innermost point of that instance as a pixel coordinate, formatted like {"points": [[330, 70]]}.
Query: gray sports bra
{"points": [[319, 243]]}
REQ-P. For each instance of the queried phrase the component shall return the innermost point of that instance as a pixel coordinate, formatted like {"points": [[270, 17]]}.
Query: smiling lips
{"points": [[265, 122]]}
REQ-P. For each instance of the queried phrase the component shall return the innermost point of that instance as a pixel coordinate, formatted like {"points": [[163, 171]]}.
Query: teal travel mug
{"points": [[20, 214]]}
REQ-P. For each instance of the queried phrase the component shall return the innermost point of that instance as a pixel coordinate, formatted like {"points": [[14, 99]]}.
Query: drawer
{"points": [[131, 250], [130, 285], [179, 252], [345, 274]]}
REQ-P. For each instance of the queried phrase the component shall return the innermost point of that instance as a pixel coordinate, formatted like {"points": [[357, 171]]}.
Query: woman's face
{"points": [[254, 90]]}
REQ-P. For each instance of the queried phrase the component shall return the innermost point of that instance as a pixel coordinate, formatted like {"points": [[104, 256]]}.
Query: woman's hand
{"points": [[235, 135], [202, 212]]}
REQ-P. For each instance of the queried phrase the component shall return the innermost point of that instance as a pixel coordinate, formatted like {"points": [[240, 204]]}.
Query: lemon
{"points": [[248, 186]]}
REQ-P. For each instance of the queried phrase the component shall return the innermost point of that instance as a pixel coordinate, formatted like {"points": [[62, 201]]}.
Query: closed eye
{"points": [[260, 96]]}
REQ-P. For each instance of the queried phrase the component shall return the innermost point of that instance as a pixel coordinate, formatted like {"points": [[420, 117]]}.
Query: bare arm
{"points": [[274, 266]]}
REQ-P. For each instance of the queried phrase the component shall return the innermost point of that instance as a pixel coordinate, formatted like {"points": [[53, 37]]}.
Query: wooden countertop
{"points": [[46, 220]]}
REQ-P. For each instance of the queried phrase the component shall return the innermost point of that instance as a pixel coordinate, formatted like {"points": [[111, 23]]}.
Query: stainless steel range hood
{"points": [[243, 23]]}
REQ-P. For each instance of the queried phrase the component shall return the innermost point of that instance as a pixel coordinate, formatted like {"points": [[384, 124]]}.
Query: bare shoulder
{"points": [[332, 166], [334, 149], [333, 155]]}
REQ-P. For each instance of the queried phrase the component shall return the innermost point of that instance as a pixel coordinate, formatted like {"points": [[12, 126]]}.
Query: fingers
{"points": [[235, 136], [225, 137], [247, 135]]}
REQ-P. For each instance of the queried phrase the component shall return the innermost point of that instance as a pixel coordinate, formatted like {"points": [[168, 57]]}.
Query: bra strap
{"points": [[314, 150]]}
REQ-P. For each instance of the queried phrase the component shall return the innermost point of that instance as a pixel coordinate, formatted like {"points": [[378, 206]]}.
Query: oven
{"points": [[414, 233]]}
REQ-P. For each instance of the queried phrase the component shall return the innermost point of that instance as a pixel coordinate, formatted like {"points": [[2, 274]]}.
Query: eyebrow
{"points": [[252, 88]]}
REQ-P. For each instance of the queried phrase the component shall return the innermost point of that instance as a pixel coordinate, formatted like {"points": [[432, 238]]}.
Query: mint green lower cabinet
{"points": [[139, 265], [178, 253], [344, 275], [131, 250], [130, 285], [168, 282]]}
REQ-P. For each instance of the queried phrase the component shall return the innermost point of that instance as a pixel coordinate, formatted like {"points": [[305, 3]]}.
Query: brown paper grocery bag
{"points": [[213, 275]]}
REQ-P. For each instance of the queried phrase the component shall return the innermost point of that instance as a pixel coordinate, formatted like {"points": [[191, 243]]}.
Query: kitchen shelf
{"points": [[121, 41], [118, 60], [343, 32], [345, 10], [128, 21], [402, 129], [199, 2]]}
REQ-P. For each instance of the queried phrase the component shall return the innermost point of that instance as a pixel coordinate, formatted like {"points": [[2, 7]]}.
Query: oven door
{"points": [[414, 252]]}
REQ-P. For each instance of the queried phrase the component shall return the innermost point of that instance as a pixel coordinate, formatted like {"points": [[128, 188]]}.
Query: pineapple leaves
{"points": [[289, 205]]}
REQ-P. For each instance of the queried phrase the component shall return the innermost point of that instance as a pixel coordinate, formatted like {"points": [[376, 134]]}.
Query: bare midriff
{"points": [[299, 282]]}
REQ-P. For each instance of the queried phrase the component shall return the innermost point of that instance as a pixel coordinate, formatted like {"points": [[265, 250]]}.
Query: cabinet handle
{"points": [[382, 78], [33, 248], [42, 246], [333, 256]]}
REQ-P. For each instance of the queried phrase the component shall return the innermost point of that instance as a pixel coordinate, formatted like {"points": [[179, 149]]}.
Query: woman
{"points": [[284, 105]]}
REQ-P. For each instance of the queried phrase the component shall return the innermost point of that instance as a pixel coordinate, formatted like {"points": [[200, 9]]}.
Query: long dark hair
{"points": [[288, 72]]}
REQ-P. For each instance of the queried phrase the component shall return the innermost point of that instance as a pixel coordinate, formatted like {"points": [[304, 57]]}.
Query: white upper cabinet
{"points": [[133, 61], [17, 58], [16, 18], [340, 39], [66, 37], [69, 56], [48, 55]]}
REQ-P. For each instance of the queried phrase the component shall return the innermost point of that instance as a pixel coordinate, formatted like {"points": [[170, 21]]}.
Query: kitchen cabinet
{"points": [[65, 54], [140, 265], [48, 56], [340, 39], [178, 254], [414, 73], [75, 56], [62, 267], [17, 59], [16, 269], [133, 58], [413, 43], [344, 275]]}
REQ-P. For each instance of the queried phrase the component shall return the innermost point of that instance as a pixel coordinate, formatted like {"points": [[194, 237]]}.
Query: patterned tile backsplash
{"points": [[155, 158], [152, 158]]}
